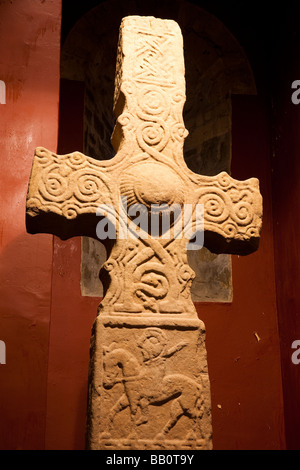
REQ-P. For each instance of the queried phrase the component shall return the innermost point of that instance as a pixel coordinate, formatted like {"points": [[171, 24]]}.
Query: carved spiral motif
{"points": [[224, 180], [153, 111], [252, 231], [70, 211], [178, 131], [153, 134], [244, 213], [45, 157], [153, 282], [88, 186], [128, 87], [215, 206], [76, 160], [126, 120], [178, 96], [110, 264], [53, 186], [68, 182], [154, 102], [230, 229], [185, 274]]}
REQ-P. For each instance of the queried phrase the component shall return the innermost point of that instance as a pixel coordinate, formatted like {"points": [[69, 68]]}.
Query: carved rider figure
{"points": [[153, 346]]}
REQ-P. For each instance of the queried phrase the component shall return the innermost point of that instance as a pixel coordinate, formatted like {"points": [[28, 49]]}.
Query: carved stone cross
{"points": [[148, 381]]}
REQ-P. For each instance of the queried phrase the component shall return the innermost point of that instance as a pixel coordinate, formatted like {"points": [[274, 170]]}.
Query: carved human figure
{"points": [[153, 345], [148, 384]]}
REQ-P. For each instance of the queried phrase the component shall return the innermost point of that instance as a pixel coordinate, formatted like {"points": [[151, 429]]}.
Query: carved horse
{"points": [[142, 389]]}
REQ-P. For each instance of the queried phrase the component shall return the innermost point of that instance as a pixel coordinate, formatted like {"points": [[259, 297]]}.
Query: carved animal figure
{"points": [[144, 387]]}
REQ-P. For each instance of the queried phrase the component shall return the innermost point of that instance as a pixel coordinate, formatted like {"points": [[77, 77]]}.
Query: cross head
{"points": [[70, 195]]}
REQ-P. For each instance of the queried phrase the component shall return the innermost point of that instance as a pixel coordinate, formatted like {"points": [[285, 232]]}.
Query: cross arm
{"points": [[232, 213], [64, 193]]}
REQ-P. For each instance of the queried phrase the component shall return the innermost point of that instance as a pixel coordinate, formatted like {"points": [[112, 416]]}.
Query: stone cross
{"points": [[148, 378]]}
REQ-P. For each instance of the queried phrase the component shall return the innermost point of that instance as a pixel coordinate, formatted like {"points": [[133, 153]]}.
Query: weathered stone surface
{"points": [[148, 362]]}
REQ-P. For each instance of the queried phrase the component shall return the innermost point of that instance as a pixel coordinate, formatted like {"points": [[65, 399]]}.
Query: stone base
{"points": [[148, 384]]}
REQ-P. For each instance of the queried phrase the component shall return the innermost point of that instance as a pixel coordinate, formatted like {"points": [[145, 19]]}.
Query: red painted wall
{"points": [[286, 209], [242, 337], [29, 65], [72, 315]]}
